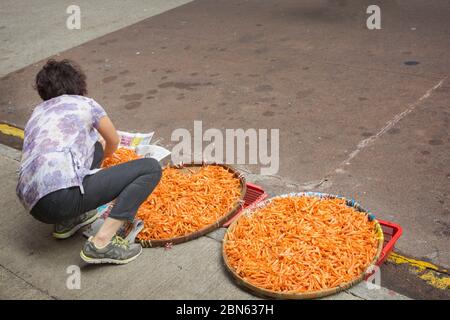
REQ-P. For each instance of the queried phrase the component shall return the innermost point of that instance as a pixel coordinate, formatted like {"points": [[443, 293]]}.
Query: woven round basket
{"points": [[189, 168], [312, 294]]}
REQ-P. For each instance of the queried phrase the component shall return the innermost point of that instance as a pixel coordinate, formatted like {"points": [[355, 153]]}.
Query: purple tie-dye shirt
{"points": [[58, 147]]}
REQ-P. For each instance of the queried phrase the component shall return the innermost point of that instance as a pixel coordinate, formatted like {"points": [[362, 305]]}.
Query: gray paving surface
{"points": [[353, 118]]}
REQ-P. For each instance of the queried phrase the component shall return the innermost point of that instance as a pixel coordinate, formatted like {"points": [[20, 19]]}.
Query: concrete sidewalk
{"points": [[33, 265]]}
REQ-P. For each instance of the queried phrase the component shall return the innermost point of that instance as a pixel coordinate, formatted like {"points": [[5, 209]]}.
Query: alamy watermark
{"points": [[73, 281], [373, 280], [374, 20], [73, 21]]}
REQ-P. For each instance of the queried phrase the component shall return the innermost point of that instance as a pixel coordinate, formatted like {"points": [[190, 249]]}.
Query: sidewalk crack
{"points": [[29, 283], [354, 294]]}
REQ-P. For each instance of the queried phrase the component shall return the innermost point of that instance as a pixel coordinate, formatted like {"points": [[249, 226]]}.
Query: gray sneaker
{"points": [[118, 251], [67, 228]]}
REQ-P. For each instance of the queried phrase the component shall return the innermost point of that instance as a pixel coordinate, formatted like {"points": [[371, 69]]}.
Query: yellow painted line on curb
{"points": [[436, 281], [11, 131], [434, 275], [419, 264]]}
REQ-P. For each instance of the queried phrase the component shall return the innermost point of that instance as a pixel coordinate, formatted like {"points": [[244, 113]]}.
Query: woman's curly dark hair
{"points": [[60, 77]]}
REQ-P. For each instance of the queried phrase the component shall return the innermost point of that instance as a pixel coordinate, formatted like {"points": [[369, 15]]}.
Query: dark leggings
{"points": [[129, 183]]}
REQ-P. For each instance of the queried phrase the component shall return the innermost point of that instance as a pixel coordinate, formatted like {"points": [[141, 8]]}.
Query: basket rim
{"points": [[211, 227], [311, 294]]}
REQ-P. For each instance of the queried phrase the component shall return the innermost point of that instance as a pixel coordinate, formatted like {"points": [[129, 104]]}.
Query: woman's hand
{"points": [[110, 136]]}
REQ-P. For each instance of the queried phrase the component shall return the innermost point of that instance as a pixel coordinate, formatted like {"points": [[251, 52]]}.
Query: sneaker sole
{"points": [[72, 231], [107, 260]]}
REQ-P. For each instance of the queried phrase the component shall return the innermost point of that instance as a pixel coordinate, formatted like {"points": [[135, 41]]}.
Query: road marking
{"points": [[440, 282], [11, 131], [426, 271]]}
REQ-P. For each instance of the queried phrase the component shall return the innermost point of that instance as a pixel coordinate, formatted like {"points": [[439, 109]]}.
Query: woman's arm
{"points": [[109, 134]]}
